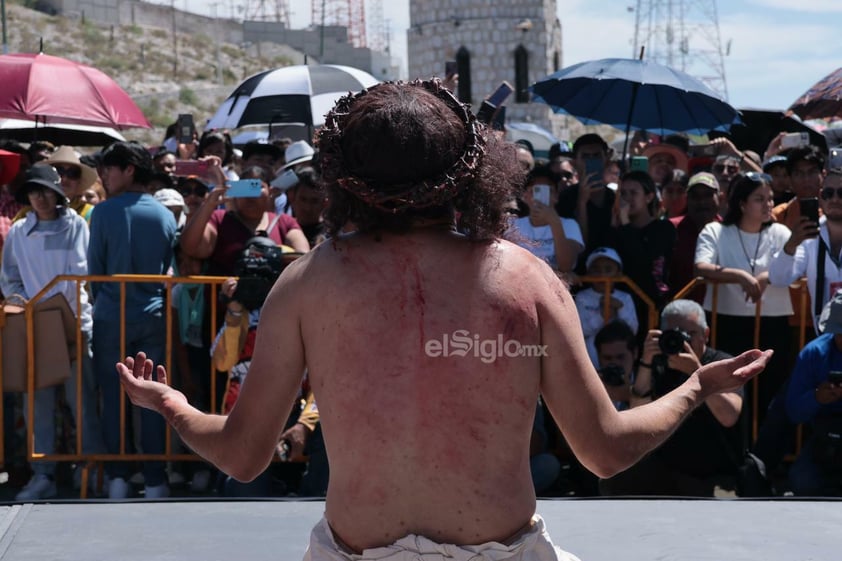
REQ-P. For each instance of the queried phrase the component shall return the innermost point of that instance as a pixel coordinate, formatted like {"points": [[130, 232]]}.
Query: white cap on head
{"points": [[604, 252]]}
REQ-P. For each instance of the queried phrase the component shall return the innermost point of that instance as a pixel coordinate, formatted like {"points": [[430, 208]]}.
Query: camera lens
{"points": [[671, 341]]}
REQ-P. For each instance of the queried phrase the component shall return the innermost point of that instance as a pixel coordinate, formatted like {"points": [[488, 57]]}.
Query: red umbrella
{"points": [[50, 89], [822, 100]]}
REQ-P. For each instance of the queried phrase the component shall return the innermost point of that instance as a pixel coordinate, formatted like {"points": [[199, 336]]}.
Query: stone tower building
{"points": [[514, 40]]}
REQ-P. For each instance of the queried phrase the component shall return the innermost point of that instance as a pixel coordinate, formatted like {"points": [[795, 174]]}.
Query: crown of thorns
{"points": [[398, 197]]}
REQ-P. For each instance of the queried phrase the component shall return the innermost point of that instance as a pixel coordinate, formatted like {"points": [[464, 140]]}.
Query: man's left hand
{"points": [[297, 436], [686, 362]]}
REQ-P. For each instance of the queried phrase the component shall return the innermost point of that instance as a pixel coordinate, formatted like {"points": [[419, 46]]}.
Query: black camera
{"points": [[257, 268], [612, 375], [672, 341]]}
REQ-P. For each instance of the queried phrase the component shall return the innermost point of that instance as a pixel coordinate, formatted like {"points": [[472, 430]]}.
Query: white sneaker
{"points": [[39, 487], [161, 491], [118, 488]]}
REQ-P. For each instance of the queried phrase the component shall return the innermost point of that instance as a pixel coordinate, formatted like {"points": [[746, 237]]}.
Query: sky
{"points": [[778, 48]]}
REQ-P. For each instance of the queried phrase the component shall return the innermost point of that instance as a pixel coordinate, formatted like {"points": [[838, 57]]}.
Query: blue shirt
{"points": [[815, 361], [131, 233]]}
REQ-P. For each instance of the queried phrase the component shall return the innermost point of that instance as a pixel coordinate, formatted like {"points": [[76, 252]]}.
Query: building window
{"points": [[556, 61], [463, 68], [521, 75]]}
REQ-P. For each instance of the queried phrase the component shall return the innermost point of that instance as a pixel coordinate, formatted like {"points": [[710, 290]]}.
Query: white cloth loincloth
{"points": [[533, 545]]}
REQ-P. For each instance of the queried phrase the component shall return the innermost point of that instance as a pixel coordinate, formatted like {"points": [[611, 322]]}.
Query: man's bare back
{"points": [[429, 445]]}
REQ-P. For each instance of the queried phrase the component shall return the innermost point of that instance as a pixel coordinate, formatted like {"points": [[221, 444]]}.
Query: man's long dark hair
{"points": [[400, 138]]}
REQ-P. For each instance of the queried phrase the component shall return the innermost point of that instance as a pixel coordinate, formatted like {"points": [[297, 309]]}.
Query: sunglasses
{"points": [[720, 168], [70, 172], [828, 192]]}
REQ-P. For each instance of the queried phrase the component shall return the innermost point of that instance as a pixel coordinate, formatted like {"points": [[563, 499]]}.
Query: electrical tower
{"points": [[267, 10], [682, 34], [345, 13], [378, 39]]}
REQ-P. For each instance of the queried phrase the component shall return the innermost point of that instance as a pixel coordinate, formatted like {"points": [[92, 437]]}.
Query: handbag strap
{"points": [[818, 293]]}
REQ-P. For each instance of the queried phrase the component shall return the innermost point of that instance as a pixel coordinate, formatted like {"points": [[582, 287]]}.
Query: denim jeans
{"points": [[45, 413], [148, 336]]}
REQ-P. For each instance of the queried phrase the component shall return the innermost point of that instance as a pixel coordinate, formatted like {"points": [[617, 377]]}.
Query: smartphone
{"points": [[186, 168], [702, 151], [810, 208], [594, 166], [639, 163], [835, 377], [795, 140], [501, 94], [541, 193], [185, 128], [449, 68], [244, 188]]}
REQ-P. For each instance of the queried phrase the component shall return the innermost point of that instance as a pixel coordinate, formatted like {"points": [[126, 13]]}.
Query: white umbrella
{"points": [[290, 95], [59, 134], [540, 138]]}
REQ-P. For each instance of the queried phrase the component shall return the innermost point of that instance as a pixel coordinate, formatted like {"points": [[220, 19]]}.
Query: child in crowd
{"points": [[590, 302]]}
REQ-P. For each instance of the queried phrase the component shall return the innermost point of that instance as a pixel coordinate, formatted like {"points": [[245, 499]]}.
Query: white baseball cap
{"points": [[607, 253]]}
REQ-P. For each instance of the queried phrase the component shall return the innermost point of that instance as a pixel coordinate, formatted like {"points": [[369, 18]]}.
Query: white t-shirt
{"points": [[734, 249], [542, 237]]}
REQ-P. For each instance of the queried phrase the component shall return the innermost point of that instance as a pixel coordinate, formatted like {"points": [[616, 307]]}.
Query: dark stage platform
{"points": [[593, 529]]}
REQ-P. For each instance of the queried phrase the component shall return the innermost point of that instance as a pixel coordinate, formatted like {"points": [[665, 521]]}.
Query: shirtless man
{"points": [[423, 442]]}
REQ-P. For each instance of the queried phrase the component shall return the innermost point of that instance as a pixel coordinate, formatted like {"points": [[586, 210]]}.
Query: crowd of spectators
{"points": [[627, 236]]}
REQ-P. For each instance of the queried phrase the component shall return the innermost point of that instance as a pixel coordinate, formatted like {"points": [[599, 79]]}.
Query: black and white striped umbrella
{"points": [[289, 95]]}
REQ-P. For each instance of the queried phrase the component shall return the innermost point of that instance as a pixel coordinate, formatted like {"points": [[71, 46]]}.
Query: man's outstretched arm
{"points": [[242, 443], [605, 441]]}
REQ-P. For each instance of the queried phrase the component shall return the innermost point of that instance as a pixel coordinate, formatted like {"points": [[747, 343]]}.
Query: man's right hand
{"points": [[651, 346], [136, 378], [731, 374], [804, 229], [592, 183]]}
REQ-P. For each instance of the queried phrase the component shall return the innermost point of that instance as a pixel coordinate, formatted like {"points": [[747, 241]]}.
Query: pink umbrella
{"points": [[49, 89]]}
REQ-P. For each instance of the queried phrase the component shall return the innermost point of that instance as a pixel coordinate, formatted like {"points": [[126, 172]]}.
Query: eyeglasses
{"points": [[70, 172], [721, 168], [827, 193]]}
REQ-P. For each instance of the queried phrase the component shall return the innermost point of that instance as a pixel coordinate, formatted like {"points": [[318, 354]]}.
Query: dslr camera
{"points": [[612, 375], [671, 341], [258, 267]]}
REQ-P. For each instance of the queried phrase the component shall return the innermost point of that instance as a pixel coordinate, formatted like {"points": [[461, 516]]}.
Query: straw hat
{"points": [[67, 156]]}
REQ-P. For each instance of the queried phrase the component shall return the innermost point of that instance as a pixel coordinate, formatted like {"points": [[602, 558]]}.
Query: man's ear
{"points": [[707, 335]]}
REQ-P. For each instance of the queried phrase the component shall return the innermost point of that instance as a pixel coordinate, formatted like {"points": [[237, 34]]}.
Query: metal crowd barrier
{"points": [[123, 280]]}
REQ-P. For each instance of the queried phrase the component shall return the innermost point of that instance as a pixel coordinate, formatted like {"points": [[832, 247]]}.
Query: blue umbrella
{"points": [[635, 94]]}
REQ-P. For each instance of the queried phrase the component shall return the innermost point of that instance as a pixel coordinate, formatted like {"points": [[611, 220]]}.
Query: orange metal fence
{"points": [[33, 455]]}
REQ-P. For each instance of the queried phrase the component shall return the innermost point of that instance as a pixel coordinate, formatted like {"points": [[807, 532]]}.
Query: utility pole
{"points": [[5, 42], [174, 42]]}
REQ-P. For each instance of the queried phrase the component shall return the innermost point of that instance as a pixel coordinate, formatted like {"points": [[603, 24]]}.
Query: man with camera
{"points": [[814, 396], [706, 447]]}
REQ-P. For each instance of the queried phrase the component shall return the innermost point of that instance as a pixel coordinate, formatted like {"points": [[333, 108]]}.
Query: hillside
{"points": [[141, 59]]}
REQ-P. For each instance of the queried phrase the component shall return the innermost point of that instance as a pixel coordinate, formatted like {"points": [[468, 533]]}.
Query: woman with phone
{"points": [[556, 240], [219, 235], [736, 254]]}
